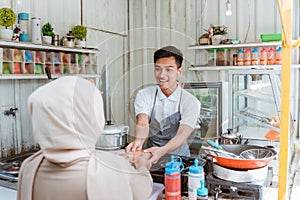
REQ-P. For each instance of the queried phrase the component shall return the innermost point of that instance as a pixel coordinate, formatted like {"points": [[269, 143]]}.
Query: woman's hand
{"points": [[136, 145]]}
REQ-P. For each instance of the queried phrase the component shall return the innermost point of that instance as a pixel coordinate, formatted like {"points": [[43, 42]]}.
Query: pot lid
{"points": [[229, 134], [113, 129]]}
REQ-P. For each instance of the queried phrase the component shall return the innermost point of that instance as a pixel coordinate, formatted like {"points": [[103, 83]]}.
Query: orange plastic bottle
{"points": [[263, 57], [173, 179], [240, 57], [271, 56], [247, 56], [278, 56]]}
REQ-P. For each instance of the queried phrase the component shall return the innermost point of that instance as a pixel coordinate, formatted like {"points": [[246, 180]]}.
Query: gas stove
{"points": [[9, 167], [251, 189], [157, 170]]}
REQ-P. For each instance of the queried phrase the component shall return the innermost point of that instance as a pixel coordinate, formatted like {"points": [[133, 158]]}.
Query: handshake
{"points": [[138, 159]]}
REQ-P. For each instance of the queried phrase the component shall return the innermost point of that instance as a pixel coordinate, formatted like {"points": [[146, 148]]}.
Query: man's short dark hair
{"points": [[169, 51]]}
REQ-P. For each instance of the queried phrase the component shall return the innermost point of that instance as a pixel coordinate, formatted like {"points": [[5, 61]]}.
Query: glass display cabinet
{"points": [[254, 103], [210, 120]]}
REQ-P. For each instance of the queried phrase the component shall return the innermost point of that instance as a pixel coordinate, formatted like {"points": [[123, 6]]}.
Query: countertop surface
{"points": [[8, 184]]}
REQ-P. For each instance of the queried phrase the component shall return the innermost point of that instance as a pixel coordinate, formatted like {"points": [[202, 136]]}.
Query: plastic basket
{"points": [[271, 37]]}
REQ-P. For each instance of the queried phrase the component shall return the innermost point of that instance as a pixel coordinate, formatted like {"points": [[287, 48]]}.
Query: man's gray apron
{"points": [[162, 132]]}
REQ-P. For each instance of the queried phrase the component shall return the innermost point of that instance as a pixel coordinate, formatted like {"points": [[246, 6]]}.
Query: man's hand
{"points": [[157, 153], [136, 145]]}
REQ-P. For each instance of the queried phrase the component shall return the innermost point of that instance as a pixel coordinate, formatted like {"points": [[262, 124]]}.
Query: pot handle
{"points": [[125, 129]]}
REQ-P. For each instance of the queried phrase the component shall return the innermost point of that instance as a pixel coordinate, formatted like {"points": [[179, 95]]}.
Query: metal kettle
{"points": [[230, 138]]}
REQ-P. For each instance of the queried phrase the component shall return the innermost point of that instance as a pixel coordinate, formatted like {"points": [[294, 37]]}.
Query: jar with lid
{"points": [[23, 22], [234, 60], [223, 57], [211, 57]]}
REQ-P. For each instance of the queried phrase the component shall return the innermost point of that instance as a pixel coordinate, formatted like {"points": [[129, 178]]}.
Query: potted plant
{"points": [[80, 33], [7, 19], [47, 31]]}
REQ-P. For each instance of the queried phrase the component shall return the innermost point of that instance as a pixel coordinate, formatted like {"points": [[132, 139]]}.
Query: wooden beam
{"points": [[286, 20]]}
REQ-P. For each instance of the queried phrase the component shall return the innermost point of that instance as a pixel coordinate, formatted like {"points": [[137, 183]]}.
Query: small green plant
{"points": [[7, 17], [47, 30], [79, 32]]}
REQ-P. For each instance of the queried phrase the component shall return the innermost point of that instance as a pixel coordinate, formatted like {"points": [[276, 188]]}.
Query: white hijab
{"points": [[67, 118]]}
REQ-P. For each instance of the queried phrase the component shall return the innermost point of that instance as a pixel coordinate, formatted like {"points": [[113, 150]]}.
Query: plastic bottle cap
{"points": [[202, 191], [240, 51], [254, 50], [263, 50], [278, 49], [170, 171], [271, 50], [173, 166], [247, 50], [195, 169]]}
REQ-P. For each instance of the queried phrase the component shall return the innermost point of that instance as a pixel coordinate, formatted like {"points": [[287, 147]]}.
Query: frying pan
{"points": [[246, 164]]}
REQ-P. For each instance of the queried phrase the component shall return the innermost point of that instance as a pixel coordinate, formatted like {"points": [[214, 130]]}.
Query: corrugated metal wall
{"points": [[15, 133]]}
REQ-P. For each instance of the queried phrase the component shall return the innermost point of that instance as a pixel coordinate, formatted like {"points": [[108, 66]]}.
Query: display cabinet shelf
{"points": [[241, 45], [257, 95], [31, 46], [257, 117], [21, 60], [221, 68], [43, 76], [254, 102]]}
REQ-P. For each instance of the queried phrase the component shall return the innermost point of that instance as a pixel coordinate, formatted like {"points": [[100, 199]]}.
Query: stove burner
{"points": [[246, 190]]}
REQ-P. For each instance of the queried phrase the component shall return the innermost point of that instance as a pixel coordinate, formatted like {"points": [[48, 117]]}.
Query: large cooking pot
{"points": [[239, 163], [113, 137]]}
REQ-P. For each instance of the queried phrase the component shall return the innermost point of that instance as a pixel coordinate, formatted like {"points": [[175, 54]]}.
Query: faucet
{"points": [[11, 111]]}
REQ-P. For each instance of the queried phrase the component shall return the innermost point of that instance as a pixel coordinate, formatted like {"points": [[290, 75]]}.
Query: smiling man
{"points": [[166, 114]]}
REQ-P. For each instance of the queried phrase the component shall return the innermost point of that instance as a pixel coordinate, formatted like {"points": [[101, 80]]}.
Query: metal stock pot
{"points": [[113, 137]]}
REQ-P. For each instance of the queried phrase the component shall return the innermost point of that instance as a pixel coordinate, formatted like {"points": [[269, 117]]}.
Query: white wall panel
{"points": [[110, 16]]}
